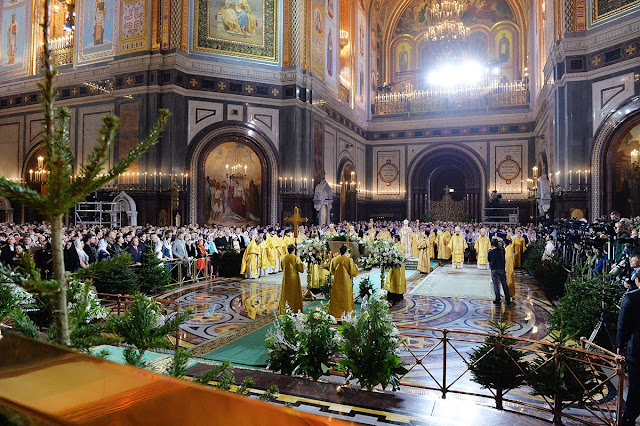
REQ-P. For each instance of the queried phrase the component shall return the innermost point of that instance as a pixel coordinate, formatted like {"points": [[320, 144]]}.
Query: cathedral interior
{"points": [[349, 110]]}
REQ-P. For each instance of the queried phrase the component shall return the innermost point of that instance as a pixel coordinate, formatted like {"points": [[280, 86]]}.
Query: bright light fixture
{"points": [[467, 73]]}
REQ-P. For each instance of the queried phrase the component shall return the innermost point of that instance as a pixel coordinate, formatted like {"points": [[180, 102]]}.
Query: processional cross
{"points": [[295, 219]]}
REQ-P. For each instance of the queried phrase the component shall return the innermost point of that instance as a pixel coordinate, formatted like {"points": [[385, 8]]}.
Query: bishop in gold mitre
{"points": [[482, 246]]}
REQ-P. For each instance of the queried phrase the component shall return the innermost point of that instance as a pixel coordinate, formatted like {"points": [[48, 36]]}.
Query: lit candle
{"points": [[579, 180], [182, 179], [634, 157], [570, 171], [145, 179], [30, 175]]}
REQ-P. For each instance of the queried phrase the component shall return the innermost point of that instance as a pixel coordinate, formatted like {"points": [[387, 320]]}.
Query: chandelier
{"points": [[237, 172], [41, 174], [446, 23]]}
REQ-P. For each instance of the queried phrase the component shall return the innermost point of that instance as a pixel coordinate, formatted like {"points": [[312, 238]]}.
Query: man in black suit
{"points": [[136, 250], [628, 342], [224, 241], [8, 251]]}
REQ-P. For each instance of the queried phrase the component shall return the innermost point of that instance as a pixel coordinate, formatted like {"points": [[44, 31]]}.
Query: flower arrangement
{"points": [[382, 253], [312, 250], [371, 344], [12, 295], [303, 343]]}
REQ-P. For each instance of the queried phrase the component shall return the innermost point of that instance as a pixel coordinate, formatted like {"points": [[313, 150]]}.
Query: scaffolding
{"points": [[99, 213]]}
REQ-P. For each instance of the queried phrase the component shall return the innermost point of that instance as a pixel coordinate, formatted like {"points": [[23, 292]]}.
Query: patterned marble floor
{"points": [[221, 317]]}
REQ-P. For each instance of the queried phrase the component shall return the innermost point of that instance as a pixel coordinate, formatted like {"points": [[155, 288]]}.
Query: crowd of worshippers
{"points": [[86, 244]]}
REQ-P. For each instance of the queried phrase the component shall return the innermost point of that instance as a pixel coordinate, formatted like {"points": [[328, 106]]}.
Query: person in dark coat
{"points": [[8, 251], [628, 343], [71, 258], [136, 250]]}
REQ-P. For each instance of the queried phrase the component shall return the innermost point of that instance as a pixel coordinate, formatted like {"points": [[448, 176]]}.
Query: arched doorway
{"points": [[615, 170], [449, 169], [234, 184], [348, 192], [35, 174]]}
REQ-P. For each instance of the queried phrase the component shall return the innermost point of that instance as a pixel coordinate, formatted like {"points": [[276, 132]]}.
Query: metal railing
{"points": [[600, 404], [190, 270], [442, 100]]}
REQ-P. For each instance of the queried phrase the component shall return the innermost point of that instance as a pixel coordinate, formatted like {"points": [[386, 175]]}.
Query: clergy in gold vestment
{"points": [[424, 256], [396, 282], [370, 235], [384, 235], [251, 259], [443, 238], [482, 245], [457, 245], [432, 244], [316, 275], [343, 270], [416, 239], [509, 269], [291, 290], [519, 247], [405, 236]]}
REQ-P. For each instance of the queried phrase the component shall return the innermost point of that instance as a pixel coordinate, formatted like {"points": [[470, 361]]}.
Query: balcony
{"points": [[453, 100], [61, 51]]}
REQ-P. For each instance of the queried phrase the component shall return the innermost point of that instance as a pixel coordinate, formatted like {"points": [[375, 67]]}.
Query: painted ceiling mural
{"points": [[415, 18]]}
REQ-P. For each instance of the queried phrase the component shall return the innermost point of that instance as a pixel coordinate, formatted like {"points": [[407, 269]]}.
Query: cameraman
{"points": [[628, 343]]}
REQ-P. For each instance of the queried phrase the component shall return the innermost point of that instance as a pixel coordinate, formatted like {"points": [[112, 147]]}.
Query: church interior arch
{"points": [[446, 168], [620, 169], [348, 184], [234, 178]]}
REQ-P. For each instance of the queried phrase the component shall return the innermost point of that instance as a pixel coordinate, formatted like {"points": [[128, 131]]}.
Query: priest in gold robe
{"points": [[432, 243], [424, 255], [443, 238], [251, 259], [457, 245], [396, 281], [370, 235], [291, 290], [482, 246], [384, 234], [519, 247], [416, 238], [343, 270], [509, 268], [405, 236]]}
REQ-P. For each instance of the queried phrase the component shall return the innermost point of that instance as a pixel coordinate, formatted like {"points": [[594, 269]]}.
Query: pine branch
{"points": [[98, 268], [23, 324], [214, 373], [21, 194], [84, 185]]}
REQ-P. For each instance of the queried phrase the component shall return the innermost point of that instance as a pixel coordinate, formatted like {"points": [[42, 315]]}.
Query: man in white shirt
{"points": [[549, 249]]}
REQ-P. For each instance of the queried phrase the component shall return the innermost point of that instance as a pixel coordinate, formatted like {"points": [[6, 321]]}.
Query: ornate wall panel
{"points": [[96, 30], [15, 37], [246, 28], [603, 11], [607, 94], [134, 24], [11, 130]]}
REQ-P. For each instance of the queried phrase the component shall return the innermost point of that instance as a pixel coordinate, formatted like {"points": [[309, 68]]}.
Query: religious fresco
{"points": [[133, 26], [331, 45], [246, 28], [233, 180], [96, 29], [15, 30], [317, 39], [361, 85], [626, 179], [403, 57], [414, 19], [602, 10]]}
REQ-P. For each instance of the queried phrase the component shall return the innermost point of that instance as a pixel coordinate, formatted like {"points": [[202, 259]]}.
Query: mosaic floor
{"points": [[221, 318]]}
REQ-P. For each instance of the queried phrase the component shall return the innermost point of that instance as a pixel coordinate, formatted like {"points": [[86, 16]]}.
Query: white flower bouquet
{"points": [[384, 254], [312, 250]]}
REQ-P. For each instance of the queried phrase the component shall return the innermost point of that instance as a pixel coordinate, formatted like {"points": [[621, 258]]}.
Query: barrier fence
{"points": [[601, 400]]}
